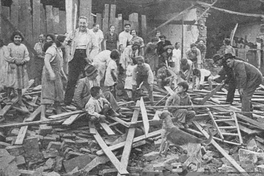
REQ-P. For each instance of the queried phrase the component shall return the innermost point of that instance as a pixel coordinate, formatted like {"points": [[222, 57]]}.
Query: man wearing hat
{"points": [[82, 92], [226, 74], [162, 43], [142, 75], [248, 78]]}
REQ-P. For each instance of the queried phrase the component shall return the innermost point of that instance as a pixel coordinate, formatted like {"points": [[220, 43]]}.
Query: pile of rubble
{"points": [[68, 144]]}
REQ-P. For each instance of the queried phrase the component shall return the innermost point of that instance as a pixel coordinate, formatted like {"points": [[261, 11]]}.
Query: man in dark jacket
{"points": [[163, 42], [226, 74], [248, 78]]}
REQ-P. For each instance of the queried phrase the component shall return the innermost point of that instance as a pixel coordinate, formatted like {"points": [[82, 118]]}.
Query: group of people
{"points": [[83, 69]]}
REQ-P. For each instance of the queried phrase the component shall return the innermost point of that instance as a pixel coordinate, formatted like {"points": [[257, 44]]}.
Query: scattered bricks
{"points": [[31, 148], [79, 162], [46, 140], [15, 150], [246, 155], [20, 160], [54, 145], [68, 136], [151, 156], [58, 164], [50, 163], [14, 132], [159, 166], [44, 130], [52, 153]]}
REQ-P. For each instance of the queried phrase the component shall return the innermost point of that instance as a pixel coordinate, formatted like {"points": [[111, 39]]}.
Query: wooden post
{"points": [[1, 21], [106, 18], [49, 17], [133, 18], [86, 10], [99, 19], [36, 19], [22, 17], [5, 28], [56, 21], [15, 8], [43, 21], [112, 14], [62, 25], [120, 23], [69, 15], [144, 27]]}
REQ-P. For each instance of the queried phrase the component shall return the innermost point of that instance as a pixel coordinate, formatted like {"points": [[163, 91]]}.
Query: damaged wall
{"points": [[249, 31]]}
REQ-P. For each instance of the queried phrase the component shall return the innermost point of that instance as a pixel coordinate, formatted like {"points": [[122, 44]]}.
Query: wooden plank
{"points": [[107, 129], [86, 10], [70, 120], [133, 18], [106, 18], [5, 28], [36, 19], [1, 23], [56, 20], [129, 138], [15, 8], [23, 130], [136, 139], [14, 100], [144, 27], [91, 128], [43, 21], [69, 15], [118, 165], [222, 151], [122, 122], [49, 19], [112, 14], [169, 90], [65, 114], [22, 17], [99, 19], [62, 26], [120, 24], [144, 116], [95, 162], [210, 94]]}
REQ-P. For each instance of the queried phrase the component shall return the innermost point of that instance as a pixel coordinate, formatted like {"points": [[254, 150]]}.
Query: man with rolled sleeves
{"points": [[248, 78], [83, 46]]}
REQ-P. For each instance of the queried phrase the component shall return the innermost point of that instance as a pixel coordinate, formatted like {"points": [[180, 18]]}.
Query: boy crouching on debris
{"points": [[180, 98], [98, 107]]}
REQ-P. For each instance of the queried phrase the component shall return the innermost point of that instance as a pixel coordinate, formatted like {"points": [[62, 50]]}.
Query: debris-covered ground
{"points": [[67, 144]]}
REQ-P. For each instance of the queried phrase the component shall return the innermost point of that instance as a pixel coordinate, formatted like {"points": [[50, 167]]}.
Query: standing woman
{"points": [[39, 59], [111, 39], [4, 55], [17, 77], [52, 88], [151, 56]]}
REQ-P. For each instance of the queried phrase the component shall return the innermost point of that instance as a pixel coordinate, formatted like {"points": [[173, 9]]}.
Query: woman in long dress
{"points": [[17, 77], [52, 87]]}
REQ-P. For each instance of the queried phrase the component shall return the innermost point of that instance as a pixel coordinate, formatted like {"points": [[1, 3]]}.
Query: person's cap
{"points": [[217, 57], [90, 70], [229, 56]]}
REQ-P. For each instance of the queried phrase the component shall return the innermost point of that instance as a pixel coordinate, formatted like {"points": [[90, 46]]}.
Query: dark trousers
{"points": [[76, 67], [231, 91]]}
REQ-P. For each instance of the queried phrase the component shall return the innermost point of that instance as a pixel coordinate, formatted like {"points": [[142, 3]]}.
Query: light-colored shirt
{"points": [[95, 106], [81, 40], [103, 57], [111, 66], [39, 49], [150, 79], [99, 37], [176, 57], [204, 73], [124, 37]]}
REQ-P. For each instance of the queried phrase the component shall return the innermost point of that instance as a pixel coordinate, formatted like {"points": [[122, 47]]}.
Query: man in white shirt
{"points": [[99, 36], [124, 37], [83, 46], [176, 57]]}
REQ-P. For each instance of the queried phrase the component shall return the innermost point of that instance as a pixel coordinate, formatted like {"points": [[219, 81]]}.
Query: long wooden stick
{"points": [[186, 106]]}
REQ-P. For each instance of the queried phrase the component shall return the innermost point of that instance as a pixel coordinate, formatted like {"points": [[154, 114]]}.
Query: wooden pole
{"points": [[15, 8], [69, 15], [43, 21], [56, 20], [86, 10], [49, 18], [36, 19], [182, 107], [106, 18]]}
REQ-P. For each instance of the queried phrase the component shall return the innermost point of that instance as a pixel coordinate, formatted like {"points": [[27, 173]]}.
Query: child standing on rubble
{"points": [[181, 98], [98, 107], [17, 77]]}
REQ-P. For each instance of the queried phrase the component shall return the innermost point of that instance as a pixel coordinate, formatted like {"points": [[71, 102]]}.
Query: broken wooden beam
{"points": [[210, 94], [136, 139], [118, 165], [222, 151], [129, 138], [144, 116], [107, 129], [65, 114]]}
